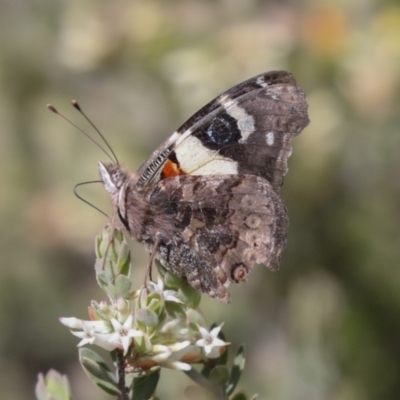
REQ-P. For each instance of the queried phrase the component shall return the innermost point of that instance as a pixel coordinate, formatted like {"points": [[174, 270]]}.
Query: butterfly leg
{"points": [[148, 273]]}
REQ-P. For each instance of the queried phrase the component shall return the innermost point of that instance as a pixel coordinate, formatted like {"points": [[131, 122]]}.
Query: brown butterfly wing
{"points": [[221, 226]]}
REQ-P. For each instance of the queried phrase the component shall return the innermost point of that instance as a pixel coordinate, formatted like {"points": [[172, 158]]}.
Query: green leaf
{"points": [[223, 358], [98, 371], [102, 242], [239, 396], [124, 259], [237, 368], [219, 375], [120, 287], [192, 296], [147, 317], [143, 387], [172, 281], [160, 269], [194, 317], [53, 386], [97, 309], [114, 355], [201, 380], [118, 235], [174, 310]]}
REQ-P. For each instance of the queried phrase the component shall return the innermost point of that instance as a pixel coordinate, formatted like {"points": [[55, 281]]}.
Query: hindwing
{"points": [[221, 227]]}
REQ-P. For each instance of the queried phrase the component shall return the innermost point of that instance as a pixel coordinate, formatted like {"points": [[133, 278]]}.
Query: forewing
{"points": [[246, 130], [223, 226]]}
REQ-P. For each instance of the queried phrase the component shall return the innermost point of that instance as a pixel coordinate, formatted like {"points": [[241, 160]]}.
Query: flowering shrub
{"points": [[156, 326]]}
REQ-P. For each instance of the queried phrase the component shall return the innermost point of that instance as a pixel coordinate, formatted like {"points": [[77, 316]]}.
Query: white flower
{"points": [[168, 295], [90, 336], [210, 341], [123, 333]]}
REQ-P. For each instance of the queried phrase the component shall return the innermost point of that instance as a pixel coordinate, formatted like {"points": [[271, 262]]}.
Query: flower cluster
{"points": [[158, 325]]}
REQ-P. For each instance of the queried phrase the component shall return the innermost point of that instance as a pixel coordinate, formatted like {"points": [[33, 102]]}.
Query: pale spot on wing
{"points": [[261, 81], [246, 126], [245, 121], [195, 159], [270, 138]]}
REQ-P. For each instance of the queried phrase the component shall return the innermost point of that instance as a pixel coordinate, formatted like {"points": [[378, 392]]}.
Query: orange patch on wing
{"points": [[171, 169]]}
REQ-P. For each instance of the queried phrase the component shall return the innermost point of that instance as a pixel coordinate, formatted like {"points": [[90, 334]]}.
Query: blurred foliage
{"points": [[327, 325]]}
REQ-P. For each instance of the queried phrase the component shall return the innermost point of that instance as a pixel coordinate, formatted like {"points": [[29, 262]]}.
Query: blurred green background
{"points": [[327, 325]]}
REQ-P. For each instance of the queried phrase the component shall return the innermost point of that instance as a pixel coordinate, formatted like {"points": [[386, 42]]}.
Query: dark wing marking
{"points": [[223, 226]]}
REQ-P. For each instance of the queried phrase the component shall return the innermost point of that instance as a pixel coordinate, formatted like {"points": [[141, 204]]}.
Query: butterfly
{"points": [[207, 202]]}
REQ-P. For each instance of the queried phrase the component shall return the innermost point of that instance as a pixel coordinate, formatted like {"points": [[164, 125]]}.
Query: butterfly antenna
{"points": [[78, 107], [84, 200], [55, 111]]}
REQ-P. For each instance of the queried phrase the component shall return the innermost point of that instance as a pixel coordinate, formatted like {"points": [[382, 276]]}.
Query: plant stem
{"points": [[121, 375]]}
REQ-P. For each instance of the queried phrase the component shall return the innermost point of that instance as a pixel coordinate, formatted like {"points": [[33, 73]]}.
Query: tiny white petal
{"points": [[125, 341], [161, 357], [79, 334], [214, 353], [203, 331], [214, 332], [208, 347], [218, 342], [179, 346], [176, 365], [72, 323], [97, 326], [159, 348], [171, 295]]}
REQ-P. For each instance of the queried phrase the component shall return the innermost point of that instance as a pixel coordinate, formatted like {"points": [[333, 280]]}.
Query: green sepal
{"points": [[97, 309], [118, 235], [98, 371], [102, 241], [113, 252], [237, 368], [143, 387], [105, 273]]}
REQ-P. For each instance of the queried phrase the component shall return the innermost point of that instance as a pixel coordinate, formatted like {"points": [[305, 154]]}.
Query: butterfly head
{"points": [[113, 177]]}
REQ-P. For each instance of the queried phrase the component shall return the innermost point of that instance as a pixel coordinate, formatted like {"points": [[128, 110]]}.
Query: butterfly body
{"points": [[207, 201]]}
